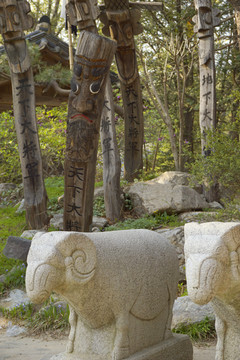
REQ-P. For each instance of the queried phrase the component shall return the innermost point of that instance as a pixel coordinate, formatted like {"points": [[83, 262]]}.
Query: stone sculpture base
{"points": [[179, 347]]}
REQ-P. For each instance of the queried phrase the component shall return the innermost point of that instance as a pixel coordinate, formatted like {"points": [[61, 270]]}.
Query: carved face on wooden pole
{"points": [[89, 77], [82, 13], [122, 25], [93, 58], [13, 16], [204, 18], [13, 20]]}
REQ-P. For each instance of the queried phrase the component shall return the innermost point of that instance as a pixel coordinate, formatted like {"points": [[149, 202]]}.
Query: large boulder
{"points": [[17, 248], [187, 312], [169, 192]]}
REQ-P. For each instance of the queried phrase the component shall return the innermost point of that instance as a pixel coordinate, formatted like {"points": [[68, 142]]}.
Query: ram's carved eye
{"points": [[95, 87], [74, 87], [77, 70]]}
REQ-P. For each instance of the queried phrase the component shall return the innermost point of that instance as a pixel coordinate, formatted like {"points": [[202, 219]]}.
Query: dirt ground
{"points": [[42, 348]]}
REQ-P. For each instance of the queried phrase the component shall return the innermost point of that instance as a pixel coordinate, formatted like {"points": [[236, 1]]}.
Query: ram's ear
{"points": [[80, 255]]}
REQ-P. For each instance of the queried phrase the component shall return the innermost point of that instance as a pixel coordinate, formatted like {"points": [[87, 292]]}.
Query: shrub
{"points": [[52, 137], [222, 163], [14, 278], [198, 331]]}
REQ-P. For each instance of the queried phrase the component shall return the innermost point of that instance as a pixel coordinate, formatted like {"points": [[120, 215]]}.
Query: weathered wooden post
{"points": [[122, 23], [93, 58], [83, 15], [205, 20], [14, 19]]}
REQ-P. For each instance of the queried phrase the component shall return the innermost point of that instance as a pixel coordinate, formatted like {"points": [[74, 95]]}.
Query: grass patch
{"points": [[151, 222], [14, 278], [202, 330], [20, 312], [10, 224], [51, 316], [55, 188]]}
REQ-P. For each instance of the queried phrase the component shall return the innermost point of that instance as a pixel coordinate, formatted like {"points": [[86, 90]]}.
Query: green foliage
{"points": [[10, 224], [51, 317], [157, 152], [56, 72], [43, 72], [10, 170], [182, 289], [99, 207], [222, 165], [152, 222], [14, 278], [55, 189], [52, 136], [127, 202], [4, 67], [202, 330], [230, 212], [50, 8], [11, 197], [21, 311]]}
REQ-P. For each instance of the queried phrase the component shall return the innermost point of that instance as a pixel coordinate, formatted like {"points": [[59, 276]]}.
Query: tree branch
{"points": [[57, 88]]}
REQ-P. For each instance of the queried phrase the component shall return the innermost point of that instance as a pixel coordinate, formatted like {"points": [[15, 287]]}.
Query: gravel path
{"points": [[32, 348]]}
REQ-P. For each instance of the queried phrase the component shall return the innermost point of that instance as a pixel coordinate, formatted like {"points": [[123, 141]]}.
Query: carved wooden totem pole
{"points": [[83, 13], [93, 58], [205, 20], [122, 23], [14, 19]]}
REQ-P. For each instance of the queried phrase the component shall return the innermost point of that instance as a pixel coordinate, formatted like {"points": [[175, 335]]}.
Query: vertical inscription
{"points": [[86, 101], [205, 21], [74, 206], [122, 24], [14, 19]]}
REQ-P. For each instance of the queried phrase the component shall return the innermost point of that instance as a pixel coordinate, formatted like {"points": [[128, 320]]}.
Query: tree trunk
{"points": [[93, 58]]}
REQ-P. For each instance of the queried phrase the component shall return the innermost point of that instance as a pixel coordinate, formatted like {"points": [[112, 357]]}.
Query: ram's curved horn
{"points": [[80, 255]]}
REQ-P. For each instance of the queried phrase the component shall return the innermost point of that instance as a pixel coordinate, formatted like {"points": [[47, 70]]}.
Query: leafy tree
{"points": [[168, 45], [169, 57], [51, 8]]}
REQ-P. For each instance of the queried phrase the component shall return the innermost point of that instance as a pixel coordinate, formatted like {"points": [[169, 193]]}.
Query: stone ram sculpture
{"points": [[212, 252], [120, 287]]}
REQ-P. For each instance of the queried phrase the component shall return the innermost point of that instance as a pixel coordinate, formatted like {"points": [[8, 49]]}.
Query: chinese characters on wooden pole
{"points": [[14, 19], [122, 23], [83, 15], [93, 58], [205, 20]]}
